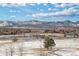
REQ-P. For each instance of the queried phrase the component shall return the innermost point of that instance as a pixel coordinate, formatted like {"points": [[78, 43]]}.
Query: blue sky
{"points": [[39, 11]]}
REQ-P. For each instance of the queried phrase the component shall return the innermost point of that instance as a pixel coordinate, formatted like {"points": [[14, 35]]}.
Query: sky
{"points": [[39, 11]]}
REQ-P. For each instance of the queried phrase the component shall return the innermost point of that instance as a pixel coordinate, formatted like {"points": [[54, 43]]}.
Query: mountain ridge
{"points": [[40, 24]]}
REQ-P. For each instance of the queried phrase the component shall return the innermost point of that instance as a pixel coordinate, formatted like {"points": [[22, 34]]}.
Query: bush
{"points": [[48, 42]]}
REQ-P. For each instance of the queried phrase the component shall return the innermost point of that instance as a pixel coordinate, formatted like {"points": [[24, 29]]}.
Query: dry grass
{"points": [[6, 42]]}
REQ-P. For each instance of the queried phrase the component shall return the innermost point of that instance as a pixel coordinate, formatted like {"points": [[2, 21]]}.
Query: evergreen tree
{"points": [[48, 43]]}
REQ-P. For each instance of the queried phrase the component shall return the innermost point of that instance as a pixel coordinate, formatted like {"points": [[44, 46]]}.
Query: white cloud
{"points": [[12, 11], [12, 4], [61, 5], [39, 14], [32, 4], [65, 12], [45, 4], [49, 9], [12, 16], [4, 4], [65, 4], [38, 3], [17, 4]]}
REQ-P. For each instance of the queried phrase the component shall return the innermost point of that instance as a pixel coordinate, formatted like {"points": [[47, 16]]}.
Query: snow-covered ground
{"points": [[64, 47]]}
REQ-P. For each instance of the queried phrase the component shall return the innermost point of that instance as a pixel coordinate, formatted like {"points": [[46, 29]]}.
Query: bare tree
{"points": [[21, 48], [11, 50], [6, 51]]}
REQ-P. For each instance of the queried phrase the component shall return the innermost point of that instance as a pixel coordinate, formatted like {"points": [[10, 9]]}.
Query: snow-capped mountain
{"points": [[5, 24], [38, 24]]}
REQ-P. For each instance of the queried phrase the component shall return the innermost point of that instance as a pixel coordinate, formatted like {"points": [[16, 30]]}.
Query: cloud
{"points": [[18, 4], [12, 4], [65, 12], [39, 14], [62, 5], [38, 3], [69, 11], [4, 4], [14, 11], [31, 4], [45, 4], [11, 11], [49, 9], [12, 16]]}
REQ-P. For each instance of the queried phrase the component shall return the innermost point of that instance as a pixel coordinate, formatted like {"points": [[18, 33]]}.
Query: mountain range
{"points": [[38, 24]]}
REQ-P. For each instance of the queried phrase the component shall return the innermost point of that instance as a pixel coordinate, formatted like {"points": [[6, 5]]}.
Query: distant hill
{"points": [[38, 24]]}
